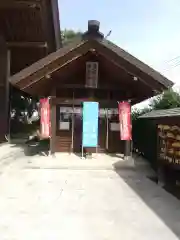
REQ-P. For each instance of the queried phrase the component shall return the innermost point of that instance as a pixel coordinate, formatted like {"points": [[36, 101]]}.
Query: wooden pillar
{"points": [[4, 89], [107, 122]]}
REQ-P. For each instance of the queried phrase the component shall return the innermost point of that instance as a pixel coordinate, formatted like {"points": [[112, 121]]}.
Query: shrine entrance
{"points": [[69, 130]]}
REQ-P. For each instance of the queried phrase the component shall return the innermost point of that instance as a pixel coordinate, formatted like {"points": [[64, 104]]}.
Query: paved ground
{"points": [[43, 199]]}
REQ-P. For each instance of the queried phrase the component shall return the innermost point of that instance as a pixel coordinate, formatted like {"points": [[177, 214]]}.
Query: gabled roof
{"points": [[174, 112], [91, 41], [139, 64], [98, 45], [44, 62]]}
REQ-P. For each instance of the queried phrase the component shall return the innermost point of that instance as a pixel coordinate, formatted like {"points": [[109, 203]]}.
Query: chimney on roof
{"points": [[93, 31]]}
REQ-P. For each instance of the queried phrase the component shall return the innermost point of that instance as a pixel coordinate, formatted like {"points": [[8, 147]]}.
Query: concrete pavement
{"points": [[51, 203]]}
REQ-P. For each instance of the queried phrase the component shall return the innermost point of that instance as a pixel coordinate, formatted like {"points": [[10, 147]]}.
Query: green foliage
{"points": [[22, 107], [169, 99], [68, 36], [138, 112]]}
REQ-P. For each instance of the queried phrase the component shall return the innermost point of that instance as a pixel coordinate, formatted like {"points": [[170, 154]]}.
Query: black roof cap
{"points": [[93, 31]]}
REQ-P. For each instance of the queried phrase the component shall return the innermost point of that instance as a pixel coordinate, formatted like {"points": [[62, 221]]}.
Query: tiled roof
{"points": [[173, 112]]}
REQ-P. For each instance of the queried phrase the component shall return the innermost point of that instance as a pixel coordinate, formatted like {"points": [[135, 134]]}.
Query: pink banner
{"points": [[125, 121], [45, 118]]}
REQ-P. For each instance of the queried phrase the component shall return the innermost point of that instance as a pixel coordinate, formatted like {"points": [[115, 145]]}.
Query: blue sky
{"points": [[148, 29]]}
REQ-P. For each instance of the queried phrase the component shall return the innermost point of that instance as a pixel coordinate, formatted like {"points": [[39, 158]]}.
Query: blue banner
{"points": [[90, 124]]}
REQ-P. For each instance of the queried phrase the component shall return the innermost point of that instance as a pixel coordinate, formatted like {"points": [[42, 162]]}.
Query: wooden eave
{"points": [[29, 26], [55, 61], [48, 20]]}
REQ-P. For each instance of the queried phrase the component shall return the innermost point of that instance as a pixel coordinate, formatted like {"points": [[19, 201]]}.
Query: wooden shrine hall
{"points": [[29, 31], [89, 69]]}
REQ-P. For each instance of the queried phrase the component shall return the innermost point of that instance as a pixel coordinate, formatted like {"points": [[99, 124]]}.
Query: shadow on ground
{"points": [[40, 148], [164, 205], [116, 155]]}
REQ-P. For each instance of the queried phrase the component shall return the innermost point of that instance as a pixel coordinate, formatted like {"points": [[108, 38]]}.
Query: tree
{"points": [[138, 112], [22, 107], [68, 36], [169, 99]]}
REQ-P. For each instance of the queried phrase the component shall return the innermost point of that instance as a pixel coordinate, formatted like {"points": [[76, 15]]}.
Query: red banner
{"points": [[45, 117], [125, 121]]}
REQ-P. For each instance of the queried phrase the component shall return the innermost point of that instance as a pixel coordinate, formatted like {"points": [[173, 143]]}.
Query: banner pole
{"points": [[82, 152], [127, 153], [107, 130], [72, 136]]}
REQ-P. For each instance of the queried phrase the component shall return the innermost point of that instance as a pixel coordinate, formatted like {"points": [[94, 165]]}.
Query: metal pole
{"points": [[72, 137], [127, 153], [107, 130], [82, 151], [9, 121]]}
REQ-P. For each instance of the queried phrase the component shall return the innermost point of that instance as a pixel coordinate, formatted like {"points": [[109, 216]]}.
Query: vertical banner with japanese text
{"points": [[125, 121], [90, 124], [45, 117]]}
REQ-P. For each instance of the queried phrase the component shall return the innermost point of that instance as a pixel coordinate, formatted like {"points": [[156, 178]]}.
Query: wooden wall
{"points": [[4, 89]]}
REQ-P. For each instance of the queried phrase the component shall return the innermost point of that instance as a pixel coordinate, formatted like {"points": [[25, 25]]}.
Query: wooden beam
{"points": [[100, 87], [27, 44], [56, 23], [81, 86], [80, 101], [47, 24], [19, 4]]}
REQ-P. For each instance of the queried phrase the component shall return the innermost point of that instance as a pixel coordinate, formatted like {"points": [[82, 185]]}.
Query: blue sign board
{"points": [[90, 124]]}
